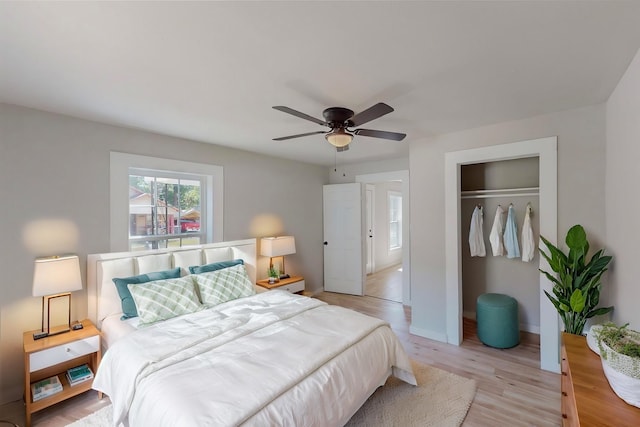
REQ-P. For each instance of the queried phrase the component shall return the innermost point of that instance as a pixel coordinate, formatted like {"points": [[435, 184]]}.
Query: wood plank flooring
{"points": [[512, 390], [385, 284]]}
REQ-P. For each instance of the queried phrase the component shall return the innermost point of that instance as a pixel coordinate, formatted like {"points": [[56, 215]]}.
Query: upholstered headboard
{"points": [[102, 268]]}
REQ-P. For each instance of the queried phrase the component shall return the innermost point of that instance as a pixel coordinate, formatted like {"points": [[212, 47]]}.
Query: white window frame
{"points": [[120, 166], [390, 195]]}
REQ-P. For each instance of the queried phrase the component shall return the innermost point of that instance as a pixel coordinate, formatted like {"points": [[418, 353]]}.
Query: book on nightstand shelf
{"points": [[45, 388], [79, 374]]}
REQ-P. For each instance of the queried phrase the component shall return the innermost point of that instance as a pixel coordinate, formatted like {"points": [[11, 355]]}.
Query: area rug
{"points": [[441, 399]]}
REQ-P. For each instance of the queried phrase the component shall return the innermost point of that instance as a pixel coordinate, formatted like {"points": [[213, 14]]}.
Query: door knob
{"points": [[325, 243]]}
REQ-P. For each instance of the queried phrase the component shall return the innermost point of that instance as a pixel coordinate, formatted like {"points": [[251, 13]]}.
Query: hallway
{"points": [[385, 284]]}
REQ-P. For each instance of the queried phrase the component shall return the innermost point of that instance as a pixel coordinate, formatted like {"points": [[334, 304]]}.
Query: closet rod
{"points": [[503, 190], [489, 196]]}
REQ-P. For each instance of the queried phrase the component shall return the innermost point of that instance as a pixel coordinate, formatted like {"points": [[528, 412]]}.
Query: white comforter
{"points": [[270, 359]]}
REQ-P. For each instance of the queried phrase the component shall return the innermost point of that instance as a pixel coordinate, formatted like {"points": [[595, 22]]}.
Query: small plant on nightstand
{"points": [[274, 274]]}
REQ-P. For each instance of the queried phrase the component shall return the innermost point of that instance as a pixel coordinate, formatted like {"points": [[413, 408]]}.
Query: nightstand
{"points": [[293, 284], [53, 355]]}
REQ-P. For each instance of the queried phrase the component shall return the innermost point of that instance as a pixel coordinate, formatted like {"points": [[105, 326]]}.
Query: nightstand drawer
{"points": [[293, 287], [62, 353]]}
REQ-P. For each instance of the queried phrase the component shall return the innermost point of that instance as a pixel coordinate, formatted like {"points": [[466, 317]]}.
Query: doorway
{"points": [[546, 150], [392, 256]]}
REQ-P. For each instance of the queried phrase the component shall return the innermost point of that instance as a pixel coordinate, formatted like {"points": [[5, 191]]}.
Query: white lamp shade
{"points": [[277, 246], [55, 275]]}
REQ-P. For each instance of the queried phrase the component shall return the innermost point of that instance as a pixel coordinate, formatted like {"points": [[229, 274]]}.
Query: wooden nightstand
{"points": [[293, 284], [53, 355]]}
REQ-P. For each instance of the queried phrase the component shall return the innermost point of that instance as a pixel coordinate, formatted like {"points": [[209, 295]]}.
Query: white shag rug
{"points": [[441, 399]]}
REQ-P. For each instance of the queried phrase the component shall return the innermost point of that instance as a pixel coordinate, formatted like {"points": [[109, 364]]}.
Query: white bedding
{"points": [[113, 328], [270, 359]]}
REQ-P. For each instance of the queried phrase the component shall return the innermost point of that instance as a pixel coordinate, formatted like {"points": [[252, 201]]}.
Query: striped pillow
{"points": [[224, 285], [164, 299]]}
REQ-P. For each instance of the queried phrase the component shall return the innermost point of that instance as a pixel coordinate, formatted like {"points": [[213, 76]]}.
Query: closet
{"points": [[504, 183]]}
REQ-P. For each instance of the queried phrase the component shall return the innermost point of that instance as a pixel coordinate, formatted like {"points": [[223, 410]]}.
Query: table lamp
{"points": [[274, 247], [55, 277]]}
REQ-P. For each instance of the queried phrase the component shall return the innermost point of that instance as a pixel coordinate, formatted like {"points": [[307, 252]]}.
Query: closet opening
{"points": [[492, 188], [545, 149]]}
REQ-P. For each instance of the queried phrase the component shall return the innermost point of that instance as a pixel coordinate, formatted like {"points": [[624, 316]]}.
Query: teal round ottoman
{"points": [[497, 317]]}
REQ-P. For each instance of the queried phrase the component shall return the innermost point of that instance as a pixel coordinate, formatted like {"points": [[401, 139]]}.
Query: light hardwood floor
{"points": [[385, 284], [512, 390]]}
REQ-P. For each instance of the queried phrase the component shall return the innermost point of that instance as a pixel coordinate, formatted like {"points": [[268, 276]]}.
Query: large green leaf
{"points": [[577, 301], [598, 312], [576, 238]]}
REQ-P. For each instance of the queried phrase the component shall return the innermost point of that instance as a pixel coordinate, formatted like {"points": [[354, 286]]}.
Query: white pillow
{"points": [[224, 285], [164, 299]]}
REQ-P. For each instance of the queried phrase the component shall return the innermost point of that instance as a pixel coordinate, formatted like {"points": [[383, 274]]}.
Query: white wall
{"points": [[581, 172], [54, 167], [622, 203]]}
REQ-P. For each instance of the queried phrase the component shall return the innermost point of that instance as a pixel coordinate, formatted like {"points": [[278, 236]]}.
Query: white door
{"points": [[343, 242], [369, 206]]}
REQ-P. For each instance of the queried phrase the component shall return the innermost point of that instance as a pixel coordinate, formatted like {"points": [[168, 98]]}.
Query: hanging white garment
{"points": [[511, 235], [528, 244], [495, 237], [476, 236]]}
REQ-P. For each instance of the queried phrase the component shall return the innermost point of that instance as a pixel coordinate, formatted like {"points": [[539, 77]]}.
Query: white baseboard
{"points": [[432, 335]]}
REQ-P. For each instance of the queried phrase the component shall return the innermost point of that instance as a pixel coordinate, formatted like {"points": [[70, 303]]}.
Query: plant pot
{"points": [[622, 372], [592, 340]]}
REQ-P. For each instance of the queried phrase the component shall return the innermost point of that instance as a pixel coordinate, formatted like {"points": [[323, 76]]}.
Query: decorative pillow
{"points": [[164, 299], [197, 269], [224, 285], [128, 305]]}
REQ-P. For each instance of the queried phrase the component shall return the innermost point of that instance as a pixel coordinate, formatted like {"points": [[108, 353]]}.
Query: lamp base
{"points": [[44, 334], [39, 335]]}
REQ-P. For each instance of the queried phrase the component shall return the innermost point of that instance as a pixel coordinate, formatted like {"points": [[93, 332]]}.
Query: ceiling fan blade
{"points": [[371, 113], [340, 149], [395, 136], [299, 114], [282, 138]]}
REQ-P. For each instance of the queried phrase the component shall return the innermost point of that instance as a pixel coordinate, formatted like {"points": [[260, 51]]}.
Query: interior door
{"points": [[369, 207], [343, 242]]}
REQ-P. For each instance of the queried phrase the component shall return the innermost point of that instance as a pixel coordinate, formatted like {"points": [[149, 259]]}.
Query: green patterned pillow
{"points": [[224, 285], [164, 299]]}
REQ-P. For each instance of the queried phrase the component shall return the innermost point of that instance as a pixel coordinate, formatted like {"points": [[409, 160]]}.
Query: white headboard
{"points": [[101, 268]]}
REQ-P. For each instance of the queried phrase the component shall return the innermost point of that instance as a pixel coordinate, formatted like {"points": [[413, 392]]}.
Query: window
{"points": [[165, 209], [395, 220], [159, 203]]}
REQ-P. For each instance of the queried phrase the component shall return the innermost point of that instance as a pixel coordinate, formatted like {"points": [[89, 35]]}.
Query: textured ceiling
{"points": [[211, 71]]}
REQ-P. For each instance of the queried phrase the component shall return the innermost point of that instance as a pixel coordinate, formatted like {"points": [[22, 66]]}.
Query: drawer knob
{"points": [[68, 349], [564, 416], [564, 393]]}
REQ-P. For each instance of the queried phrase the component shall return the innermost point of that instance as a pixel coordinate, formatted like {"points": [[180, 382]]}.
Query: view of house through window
{"points": [[165, 209], [395, 220]]}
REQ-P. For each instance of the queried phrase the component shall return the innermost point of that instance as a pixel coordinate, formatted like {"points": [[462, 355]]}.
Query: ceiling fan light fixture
{"points": [[339, 137]]}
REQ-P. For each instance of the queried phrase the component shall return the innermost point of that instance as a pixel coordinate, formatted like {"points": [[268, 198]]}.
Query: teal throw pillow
{"points": [[128, 305], [197, 269]]}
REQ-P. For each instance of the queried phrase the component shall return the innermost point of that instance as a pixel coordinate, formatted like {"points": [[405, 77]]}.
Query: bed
{"points": [[265, 358]]}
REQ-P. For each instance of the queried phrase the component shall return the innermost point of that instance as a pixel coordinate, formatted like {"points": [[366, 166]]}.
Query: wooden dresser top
{"points": [[597, 403]]}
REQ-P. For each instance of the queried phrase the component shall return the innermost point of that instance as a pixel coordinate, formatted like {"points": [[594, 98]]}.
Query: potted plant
{"points": [[274, 274], [576, 283], [620, 354]]}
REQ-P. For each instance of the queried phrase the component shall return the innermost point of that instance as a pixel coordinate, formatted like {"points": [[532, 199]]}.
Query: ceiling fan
{"points": [[339, 119]]}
